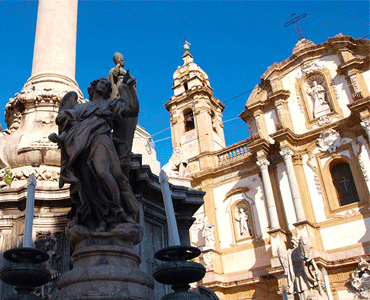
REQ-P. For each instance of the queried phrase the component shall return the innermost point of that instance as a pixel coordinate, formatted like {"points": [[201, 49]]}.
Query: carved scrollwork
{"points": [[53, 244], [359, 281], [329, 140]]}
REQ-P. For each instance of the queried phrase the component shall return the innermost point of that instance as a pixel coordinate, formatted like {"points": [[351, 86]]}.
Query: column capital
{"points": [[365, 124], [263, 163], [286, 153]]}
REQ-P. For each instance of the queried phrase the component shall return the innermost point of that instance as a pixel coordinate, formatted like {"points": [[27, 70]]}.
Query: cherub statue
{"points": [[117, 74]]}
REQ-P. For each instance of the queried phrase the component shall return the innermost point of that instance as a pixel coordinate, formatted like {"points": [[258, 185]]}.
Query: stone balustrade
{"points": [[233, 153]]}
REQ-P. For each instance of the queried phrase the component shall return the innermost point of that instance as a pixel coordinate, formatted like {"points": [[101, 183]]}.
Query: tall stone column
{"points": [[293, 184], [263, 163], [30, 115], [54, 56]]}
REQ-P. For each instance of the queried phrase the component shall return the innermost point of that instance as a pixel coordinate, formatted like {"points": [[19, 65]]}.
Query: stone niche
{"points": [[51, 219]]}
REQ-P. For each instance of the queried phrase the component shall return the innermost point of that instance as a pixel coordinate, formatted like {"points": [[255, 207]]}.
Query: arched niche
{"points": [[319, 98], [243, 215]]}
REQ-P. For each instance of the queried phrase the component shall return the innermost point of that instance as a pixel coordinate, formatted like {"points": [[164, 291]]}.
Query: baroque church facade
{"points": [[303, 173]]}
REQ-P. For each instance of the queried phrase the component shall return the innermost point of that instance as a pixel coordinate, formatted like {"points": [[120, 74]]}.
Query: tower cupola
{"points": [[196, 115]]}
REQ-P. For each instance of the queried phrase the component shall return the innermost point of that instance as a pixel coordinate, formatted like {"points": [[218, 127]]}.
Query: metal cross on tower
{"points": [[294, 21]]}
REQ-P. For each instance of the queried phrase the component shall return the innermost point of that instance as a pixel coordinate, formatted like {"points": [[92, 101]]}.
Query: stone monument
{"points": [[25, 146], [103, 230], [30, 117], [301, 271]]}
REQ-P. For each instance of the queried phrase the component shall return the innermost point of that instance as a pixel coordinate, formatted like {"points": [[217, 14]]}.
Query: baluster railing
{"points": [[233, 153]]}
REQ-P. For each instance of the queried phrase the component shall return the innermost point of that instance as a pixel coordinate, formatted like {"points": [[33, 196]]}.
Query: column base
{"points": [[105, 265]]}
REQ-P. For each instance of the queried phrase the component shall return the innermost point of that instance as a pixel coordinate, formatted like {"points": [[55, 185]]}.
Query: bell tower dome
{"points": [[196, 115]]}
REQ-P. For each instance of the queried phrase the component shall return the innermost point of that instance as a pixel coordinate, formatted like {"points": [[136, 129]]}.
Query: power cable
{"points": [[248, 91]]}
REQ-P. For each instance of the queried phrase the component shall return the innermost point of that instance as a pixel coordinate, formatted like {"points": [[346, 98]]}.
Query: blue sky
{"points": [[233, 41]]}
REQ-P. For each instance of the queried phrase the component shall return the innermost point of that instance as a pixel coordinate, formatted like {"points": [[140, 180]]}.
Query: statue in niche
{"points": [[241, 218], [208, 234], [123, 135], [100, 191], [176, 165], [301, 271], [318, 94]]}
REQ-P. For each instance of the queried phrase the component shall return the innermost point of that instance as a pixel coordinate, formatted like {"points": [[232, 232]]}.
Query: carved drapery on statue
{"points": [[301, 270], [100, 191], [316, 90], [359, 281], [242, 219]]}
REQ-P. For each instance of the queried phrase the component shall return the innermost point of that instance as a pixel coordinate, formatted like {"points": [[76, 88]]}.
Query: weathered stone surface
{"points": [[105, 265]]}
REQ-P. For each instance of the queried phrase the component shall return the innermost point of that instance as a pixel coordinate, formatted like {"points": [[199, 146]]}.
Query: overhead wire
{"points": [[250, 90]]}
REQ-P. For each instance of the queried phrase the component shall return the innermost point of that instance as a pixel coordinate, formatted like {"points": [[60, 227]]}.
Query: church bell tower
{"points": [[196, 115]]}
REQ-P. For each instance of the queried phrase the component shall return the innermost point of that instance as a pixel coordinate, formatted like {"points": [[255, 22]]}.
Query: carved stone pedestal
{"points": [[105, 265]]}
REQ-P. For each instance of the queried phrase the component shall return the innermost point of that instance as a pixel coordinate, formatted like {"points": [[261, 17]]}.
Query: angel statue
{"points": [[301, 270], [90, 163]]}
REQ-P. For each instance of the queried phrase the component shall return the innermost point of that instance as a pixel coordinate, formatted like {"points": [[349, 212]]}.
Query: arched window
{"points": [[344, 183], [189, 120]]}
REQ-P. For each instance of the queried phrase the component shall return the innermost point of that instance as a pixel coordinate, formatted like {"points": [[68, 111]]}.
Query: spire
{"points": [[189, 66]]}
